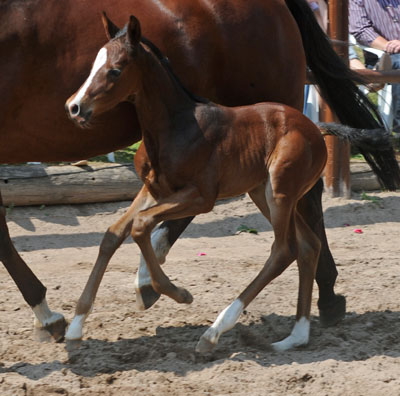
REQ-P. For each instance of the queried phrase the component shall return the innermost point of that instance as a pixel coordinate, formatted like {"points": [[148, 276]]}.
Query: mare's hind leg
{"points": [[332, 307], [162, 240], [29, 285], [280, 212]]}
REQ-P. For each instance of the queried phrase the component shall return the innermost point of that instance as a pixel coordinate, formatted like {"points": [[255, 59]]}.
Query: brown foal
{"points": [[193, 153]]}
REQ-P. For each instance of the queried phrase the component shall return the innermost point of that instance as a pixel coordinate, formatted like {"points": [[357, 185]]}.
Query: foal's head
{"points": [[112, 78]]}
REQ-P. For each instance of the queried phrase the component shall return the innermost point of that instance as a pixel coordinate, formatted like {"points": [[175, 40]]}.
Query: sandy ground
{"points": [[127, 352]]}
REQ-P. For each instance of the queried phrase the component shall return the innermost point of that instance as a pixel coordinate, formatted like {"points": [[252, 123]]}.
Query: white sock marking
{"points": [[224, 322], [75, 329], [44, 316], [100, 61], [299, 336]]}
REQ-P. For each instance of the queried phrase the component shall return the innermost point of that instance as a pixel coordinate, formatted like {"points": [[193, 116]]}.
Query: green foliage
{"points": [[121, 156], [375, 200], [358, 157], [244, 228], [9, 209]]}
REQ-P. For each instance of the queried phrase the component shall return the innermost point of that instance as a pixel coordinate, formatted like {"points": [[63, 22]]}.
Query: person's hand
{"points": [[393, 47]]}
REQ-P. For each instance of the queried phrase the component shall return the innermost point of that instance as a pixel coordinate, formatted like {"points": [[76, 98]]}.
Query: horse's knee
{"points": [[140, 229]]}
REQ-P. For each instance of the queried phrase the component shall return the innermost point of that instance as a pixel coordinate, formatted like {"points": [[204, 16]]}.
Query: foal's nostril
{"points": [[75, 109]]}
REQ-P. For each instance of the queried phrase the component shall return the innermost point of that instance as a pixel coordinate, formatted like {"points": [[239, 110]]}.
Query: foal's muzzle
{"points": [[78, 114]]}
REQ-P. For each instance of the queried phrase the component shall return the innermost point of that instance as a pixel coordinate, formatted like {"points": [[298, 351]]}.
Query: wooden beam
{"points": [[49, 185]]}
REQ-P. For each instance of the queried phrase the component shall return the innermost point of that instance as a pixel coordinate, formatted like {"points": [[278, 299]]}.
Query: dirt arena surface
{"points": [[127, 352]]}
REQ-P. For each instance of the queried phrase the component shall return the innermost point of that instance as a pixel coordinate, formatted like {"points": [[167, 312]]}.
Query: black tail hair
{"points": [[337, 85]]}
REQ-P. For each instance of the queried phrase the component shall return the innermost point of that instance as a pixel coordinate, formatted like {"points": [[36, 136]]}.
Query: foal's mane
{"points": [[166, 64]]}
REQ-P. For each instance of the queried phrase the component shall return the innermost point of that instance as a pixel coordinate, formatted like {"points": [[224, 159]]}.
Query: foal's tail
{"points": [[374, 144], [366, 139], [337, 85]]}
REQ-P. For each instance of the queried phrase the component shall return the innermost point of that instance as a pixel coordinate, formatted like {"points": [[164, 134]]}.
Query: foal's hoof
{"points": [[73, 345], [52, 332], [146, 297], [184, 296], [330, 316], [204, 346]]}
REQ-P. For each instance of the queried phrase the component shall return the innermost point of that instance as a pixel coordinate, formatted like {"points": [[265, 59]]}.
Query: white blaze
{"points": [[100, 61]]}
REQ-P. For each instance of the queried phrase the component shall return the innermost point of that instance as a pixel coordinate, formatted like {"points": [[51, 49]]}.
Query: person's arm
{"points": [[356, 64], [361, 27], [392, 47]]}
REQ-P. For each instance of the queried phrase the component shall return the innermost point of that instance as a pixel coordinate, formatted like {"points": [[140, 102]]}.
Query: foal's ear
{"points": [[134, 31], [110, 28]]}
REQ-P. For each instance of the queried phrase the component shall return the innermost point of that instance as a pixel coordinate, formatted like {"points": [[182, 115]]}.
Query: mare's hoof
{"points": [[52, 332], [204, 346], [73, 345], [330, 316], [146, 297], [40, 334]]}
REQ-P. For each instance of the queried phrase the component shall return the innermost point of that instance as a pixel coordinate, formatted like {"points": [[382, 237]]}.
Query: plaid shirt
{"points": [[369, 19]]}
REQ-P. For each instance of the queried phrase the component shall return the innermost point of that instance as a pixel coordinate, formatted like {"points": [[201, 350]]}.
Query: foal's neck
{"points": [[160, 96]]}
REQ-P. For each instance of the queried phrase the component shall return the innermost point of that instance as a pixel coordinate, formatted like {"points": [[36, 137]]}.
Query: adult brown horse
{"points": [[47, 52], [195, 152]]}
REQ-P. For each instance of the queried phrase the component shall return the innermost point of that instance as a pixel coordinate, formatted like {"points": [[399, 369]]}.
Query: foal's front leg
{"points": [[112, 239], [162, 239], [186, 202]]}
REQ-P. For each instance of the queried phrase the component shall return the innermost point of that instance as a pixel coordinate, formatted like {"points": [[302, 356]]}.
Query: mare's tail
{"points": [[337, 84]]}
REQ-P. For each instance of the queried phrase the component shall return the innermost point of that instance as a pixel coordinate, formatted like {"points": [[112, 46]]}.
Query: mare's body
{"points": [[47, 51]]}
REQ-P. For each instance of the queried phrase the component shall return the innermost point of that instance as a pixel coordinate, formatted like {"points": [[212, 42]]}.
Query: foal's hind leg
{"points": [[308, 248], [332, 307], [283, 253]]}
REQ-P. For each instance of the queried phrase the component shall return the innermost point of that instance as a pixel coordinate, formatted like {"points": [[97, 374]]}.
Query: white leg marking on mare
{"points": [[101, 59], [299, 336], [75, 329], [43, 315], [161, 246], [225, 321]]}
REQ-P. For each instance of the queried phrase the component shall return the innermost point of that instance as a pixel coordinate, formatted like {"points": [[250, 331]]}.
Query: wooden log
{"points": [[362, 177], [67, 184]]}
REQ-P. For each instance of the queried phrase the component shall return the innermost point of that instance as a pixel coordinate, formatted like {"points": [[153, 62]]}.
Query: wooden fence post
{"points": [[337, 171]]}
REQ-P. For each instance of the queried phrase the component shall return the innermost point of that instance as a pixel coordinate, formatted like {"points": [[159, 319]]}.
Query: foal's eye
{"points": [[114, 73]]}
